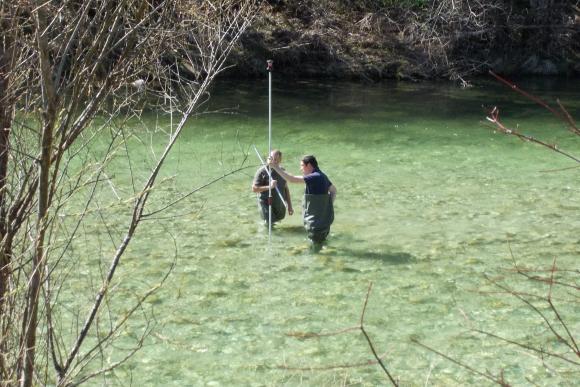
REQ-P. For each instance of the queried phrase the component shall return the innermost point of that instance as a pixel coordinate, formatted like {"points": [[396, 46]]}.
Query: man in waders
{"points": [[319, 195], [261, 185]]}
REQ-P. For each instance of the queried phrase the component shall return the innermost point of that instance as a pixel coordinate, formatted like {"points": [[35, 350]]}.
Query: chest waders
{"points": [[318, 215]]}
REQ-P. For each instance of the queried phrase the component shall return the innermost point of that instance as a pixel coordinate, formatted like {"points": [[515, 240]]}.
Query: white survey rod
{"points": [[269, 68]]}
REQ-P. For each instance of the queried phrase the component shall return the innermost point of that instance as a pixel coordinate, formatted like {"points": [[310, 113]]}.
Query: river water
{"points": [[431, 206]]}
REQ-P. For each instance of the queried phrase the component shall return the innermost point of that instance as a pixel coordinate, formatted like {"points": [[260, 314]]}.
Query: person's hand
{"points": [[290, 210], [273, 184]]}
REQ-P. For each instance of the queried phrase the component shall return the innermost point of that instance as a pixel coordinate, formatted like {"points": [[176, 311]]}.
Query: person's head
{"points": [[308, 164], [276, 156]]}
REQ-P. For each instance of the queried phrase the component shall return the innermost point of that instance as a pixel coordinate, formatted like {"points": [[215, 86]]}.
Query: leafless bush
{"points": [[554, 298], [555, 292], [63, 64]]}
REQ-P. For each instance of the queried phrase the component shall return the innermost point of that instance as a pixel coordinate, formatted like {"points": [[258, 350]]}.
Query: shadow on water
{"points": [[391, 258], [329, 252], [291, 229], [330, 249], [347, 243]]}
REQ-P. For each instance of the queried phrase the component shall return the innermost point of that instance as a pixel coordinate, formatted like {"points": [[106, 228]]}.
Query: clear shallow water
{"points": [[428, 201]]}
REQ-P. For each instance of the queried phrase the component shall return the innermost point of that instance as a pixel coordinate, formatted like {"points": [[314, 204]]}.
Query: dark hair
{"points": [[310, 160]]}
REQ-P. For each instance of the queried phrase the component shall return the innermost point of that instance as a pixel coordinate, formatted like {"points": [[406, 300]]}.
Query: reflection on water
{"points": [[429, 202]]}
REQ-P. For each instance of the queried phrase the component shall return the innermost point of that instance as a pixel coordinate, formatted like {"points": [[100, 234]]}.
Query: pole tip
{"points": [[269, 65]]}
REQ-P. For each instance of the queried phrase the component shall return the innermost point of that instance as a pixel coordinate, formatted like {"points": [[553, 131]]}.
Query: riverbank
{"points": [[410, 40]]}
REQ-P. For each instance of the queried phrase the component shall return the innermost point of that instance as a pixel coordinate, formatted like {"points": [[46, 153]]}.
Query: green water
{"points": [[430, 201]]}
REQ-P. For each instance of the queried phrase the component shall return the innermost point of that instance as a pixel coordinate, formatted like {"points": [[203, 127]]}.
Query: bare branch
{"points": [[378, 359], [499, 380], [362, 328], [493, 117]]}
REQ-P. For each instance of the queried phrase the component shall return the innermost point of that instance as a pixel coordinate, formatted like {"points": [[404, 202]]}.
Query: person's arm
{"points": [[259, 181], [288, 200], [262, 188], [332, 192], [286, 176]]}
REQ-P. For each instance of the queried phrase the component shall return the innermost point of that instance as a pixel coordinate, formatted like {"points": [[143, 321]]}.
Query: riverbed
{"points": [[433, 208]]}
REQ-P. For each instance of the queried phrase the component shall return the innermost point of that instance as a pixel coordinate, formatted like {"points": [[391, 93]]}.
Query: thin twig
{"points": [[486, 375], [527, 347], [362, 328], [493, 117], [529, 96], [313, 335], [330, 367]]}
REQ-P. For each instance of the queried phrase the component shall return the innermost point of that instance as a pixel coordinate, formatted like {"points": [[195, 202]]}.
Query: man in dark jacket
{"points": [[262, 185]]}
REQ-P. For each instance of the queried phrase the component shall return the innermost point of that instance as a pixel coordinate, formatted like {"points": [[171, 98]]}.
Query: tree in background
{"points": [[71, 72], [415, 39], [454, 38]]}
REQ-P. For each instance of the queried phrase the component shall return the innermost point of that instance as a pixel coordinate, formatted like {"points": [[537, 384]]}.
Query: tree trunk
{"points": [[5, 125], [49, 118]]}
